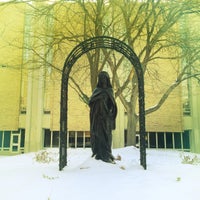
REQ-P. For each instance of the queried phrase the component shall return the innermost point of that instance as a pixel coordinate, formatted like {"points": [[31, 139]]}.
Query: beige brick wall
{"points": [[11, 29], [9, 99], [78, 111], [169, 117]]}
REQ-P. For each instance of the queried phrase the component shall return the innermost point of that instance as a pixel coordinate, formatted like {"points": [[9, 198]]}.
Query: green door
{"points": [[15, 143]]}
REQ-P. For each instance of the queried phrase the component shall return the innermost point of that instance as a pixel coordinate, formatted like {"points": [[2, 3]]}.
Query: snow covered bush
{"points": [[188, 159], [45, 156]]}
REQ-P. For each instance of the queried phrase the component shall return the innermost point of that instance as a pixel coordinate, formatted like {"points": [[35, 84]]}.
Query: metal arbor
{"points": [[76, 53]]}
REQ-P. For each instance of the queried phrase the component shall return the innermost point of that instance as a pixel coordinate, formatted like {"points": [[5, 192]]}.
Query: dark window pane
{"points": [[177, 140], [15, 148], [71, 138], [161, 141], [87, 139], [6, 142], [15, 138], [22, 138], [186, 139], [47, 138], [169, 143], [1, 137], [55, 139], [152, 139], [80, 139], [125, 138]]}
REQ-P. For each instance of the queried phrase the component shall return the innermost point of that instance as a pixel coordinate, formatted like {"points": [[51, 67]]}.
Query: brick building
{"points": [[30, 96]]}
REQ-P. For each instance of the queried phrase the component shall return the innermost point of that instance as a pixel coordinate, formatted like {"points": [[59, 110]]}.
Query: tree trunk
{"points": [[131, 128]]}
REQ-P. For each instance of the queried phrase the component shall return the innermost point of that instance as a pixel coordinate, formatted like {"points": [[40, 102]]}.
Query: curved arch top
{"points": [[101, 42], [76, 53]]}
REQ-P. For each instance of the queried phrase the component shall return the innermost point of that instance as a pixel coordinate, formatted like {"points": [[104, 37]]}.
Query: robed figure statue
{"points": [[103, 112]]}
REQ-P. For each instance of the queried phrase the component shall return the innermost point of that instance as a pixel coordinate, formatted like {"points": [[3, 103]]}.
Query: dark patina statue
{"points": [[103, 112]]}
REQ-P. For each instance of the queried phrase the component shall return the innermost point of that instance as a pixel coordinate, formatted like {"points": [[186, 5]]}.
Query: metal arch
{"points": [[101, 42], [76, 53]]}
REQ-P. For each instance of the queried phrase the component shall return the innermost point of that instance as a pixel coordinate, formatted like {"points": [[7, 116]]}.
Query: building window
{"points": [[186, 108], [152, 140], [75, 139], [55, 140], [80, 139], [12, 141], [87, 139], [80, 136], [51, 138], [186, 139], [1, 139], [71, 139], [47, 138], [165, 140], [161, 140], [6, 141], [168, 140]]}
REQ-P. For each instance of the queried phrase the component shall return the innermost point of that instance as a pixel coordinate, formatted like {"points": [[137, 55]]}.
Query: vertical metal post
{"points": [[63, 124], [140, 76]]}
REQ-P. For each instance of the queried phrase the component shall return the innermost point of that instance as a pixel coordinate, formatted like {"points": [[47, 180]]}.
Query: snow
{"points": [[25, 177]]}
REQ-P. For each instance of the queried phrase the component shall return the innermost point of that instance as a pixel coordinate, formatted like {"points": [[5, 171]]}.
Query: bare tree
{"points": [[149, 27]]}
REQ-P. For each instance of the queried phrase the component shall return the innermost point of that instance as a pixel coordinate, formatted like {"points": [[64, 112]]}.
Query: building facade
{"points": [[30, 96]]}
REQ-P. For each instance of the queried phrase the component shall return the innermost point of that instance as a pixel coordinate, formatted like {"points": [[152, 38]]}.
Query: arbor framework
{"points": [[76, 53]]}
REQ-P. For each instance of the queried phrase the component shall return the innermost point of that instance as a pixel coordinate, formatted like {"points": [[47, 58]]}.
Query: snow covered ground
{"points": [[22, 177]]}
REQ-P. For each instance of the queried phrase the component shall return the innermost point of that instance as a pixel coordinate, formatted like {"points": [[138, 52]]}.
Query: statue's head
{"points": [[104, 80]]}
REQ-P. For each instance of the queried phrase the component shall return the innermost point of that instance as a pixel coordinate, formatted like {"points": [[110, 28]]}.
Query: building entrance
{"points": [[15, 143]]}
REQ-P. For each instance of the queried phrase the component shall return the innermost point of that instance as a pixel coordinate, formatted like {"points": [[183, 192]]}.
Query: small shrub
{"points": [[118, 157], [45, 157], [49, 177], [122, 167], [188, 159]]}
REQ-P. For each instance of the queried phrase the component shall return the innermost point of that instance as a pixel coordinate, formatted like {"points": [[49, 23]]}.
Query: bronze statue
{"points": [[103, 112]]}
